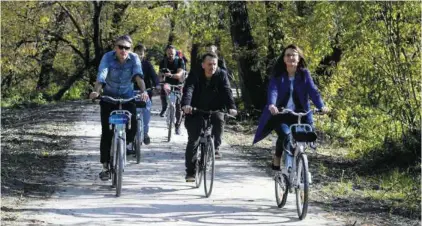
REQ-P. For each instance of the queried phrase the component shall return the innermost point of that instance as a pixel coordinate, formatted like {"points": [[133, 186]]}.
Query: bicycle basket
{"points": [[118, 119], [303, 133]]}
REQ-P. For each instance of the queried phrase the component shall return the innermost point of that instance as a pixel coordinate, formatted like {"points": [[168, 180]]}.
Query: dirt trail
{"points": [[155, 193]]}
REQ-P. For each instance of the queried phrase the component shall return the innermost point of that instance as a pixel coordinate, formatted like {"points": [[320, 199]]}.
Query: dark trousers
{"points": [[163, 97], [107, 134], [194, 124]]}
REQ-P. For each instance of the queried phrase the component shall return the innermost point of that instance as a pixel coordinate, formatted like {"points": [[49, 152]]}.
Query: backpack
{"points": [[181, 56]]}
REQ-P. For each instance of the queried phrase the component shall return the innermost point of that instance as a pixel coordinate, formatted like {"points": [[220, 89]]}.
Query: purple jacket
{"points": [[279, 90]]}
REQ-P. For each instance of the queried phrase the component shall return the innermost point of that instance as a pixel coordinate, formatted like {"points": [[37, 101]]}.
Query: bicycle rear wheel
{"points": [[209, 170], [139, 140], [170, 121], [302, 188], [281, 189], [119, 167], [198, 166]]}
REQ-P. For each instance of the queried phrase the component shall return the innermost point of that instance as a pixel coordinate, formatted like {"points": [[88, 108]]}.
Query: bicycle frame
{"points": [[300, 148]]}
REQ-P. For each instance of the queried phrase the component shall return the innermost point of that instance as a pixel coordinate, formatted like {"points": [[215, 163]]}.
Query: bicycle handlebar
{"points": [[300, 114], [118, 100], [211, 112]]}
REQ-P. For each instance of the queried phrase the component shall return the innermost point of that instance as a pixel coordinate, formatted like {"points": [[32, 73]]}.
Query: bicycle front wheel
{"points": [[281, 189], [113, 161], [170, 121], [302, 186], [119, 167], [209, 170], [138, 140], [198, 166]]}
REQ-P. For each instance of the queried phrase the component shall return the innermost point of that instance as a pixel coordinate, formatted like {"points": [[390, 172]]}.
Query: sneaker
{"points": [[147, 140], [162, 113], [129, 149], [105, 173], [276, 163], [218, 154], [177, 130], [190, 178]]}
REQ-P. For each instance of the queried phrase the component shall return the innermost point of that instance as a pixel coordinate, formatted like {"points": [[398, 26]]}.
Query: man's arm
{"points": [[188, 89], [153, 75], [179, 74], [227, 91]]}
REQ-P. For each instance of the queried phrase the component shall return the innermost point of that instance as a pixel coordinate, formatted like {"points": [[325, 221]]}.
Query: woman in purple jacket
{"points": [[291, 86]]}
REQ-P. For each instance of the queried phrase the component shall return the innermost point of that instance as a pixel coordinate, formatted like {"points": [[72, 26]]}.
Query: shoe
{"points": [[177, 131], [190, 178], [275, 165], [147, 140], [105, 173], [218, 154], [129, 149], [162, 113]]}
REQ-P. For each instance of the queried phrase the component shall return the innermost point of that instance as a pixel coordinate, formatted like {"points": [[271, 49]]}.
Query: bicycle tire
{"points": [[198, 167], [171, 113], [209, 167], [281, 189], [302, 191], [113, 161], [119, 168], [139, 140]]}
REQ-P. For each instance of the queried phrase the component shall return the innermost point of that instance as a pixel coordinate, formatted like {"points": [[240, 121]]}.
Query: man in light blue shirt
{"points": [[117, 70]]}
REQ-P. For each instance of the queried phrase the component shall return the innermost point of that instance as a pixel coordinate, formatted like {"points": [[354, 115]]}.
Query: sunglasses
{"points": [[123, 47]]}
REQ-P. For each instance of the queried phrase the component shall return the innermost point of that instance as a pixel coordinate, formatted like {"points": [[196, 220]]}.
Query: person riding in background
{"points": [[171, 72], [151, 81]]}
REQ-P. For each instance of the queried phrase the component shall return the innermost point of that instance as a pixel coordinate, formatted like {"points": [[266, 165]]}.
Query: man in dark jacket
{"points": [[151, 80], [206, 89]]}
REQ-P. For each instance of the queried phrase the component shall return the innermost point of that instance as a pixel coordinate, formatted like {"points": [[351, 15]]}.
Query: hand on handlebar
{"points": [[325, 110], [187, 109], [143, 96], [233, 112], [93, 95], [273, 109]]}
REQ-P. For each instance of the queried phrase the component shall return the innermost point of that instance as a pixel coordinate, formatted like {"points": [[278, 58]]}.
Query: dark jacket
{"points": [[150, 76], [278, 94], [216, 96]]}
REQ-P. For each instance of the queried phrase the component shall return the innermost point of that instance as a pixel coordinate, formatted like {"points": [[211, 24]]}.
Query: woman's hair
{"points": [[280, 67]]}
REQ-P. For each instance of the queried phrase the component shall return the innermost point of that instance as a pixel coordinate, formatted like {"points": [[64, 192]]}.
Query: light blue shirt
{"points": [[291, 104], [118, 78]]}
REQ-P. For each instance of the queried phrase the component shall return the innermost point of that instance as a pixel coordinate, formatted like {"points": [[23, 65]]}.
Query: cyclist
{"points": [[221, 61], [171, 72], [206, 89], [151, 80], [290, 87], [117, 70]]}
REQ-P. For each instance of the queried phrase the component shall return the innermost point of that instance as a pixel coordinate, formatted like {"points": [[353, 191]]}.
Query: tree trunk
{"points": [[172, 24], [49, 53], [194, 58], [253, 91], [98, 49], [275, 34]]}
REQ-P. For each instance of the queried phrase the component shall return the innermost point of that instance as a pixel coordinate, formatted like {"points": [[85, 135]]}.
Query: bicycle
{"points": [[171, 107], [296, 173], [139, 137], [205, 159], [118, 119]]}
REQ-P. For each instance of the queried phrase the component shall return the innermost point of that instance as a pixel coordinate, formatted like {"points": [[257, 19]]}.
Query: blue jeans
{"points": [[146, 112]]}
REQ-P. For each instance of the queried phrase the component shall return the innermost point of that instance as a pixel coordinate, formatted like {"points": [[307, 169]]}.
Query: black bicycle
{"points": [[205, 159]]}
